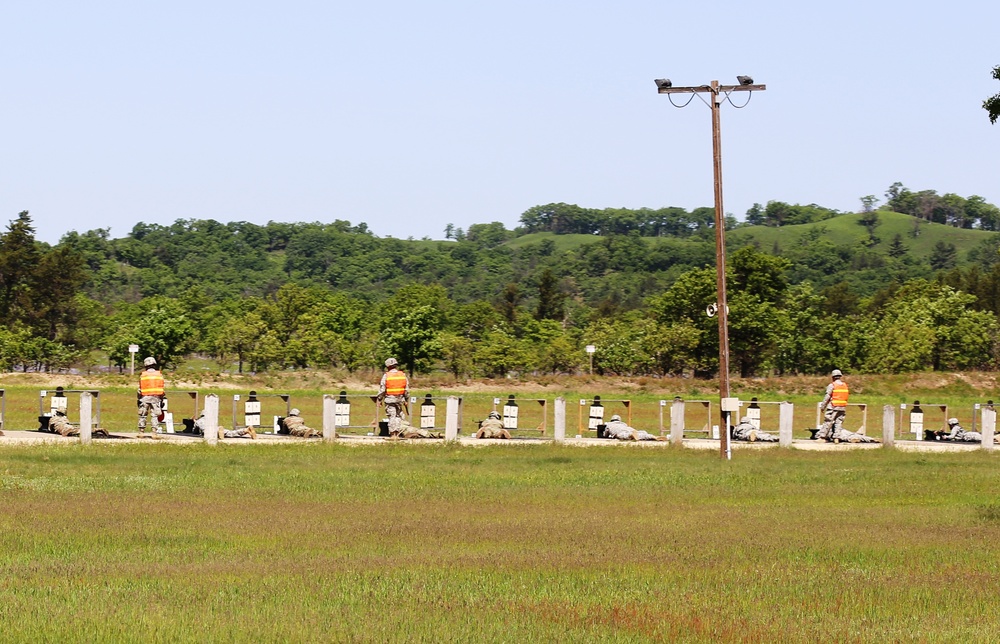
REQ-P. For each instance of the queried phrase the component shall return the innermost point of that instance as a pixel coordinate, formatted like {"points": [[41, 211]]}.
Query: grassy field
{"points": [[321, 542]]}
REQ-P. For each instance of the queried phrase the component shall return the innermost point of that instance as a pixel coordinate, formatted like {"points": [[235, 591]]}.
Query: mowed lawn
{"points": [[320, 542]]}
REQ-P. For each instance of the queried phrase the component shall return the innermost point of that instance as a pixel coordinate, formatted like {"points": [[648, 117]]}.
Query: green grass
{"points": [[327, 542]]}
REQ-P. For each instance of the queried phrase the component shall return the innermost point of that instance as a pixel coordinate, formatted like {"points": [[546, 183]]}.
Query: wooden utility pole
{"points": [[718, 94]]}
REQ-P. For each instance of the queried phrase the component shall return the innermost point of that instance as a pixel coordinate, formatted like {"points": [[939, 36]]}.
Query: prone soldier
{"points": [[492, 427], [618, 429], [746, 431], [295, 425]]}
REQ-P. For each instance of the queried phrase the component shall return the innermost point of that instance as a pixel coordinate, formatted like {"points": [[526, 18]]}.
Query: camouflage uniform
{"points": [[833, 416], [149, 407], [200, 425], [406, 430], [393, 404], [296, 426], [492, 427], [59, 424], [150, 402], [618, 429], [847, 436], [959, 435], [746, 431]]}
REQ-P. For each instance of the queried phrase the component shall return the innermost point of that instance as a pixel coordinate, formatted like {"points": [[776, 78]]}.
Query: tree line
{"points": [[335, 296]]}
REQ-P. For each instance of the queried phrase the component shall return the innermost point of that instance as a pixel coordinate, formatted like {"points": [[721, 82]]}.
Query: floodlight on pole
{"points": [[718, 94]]}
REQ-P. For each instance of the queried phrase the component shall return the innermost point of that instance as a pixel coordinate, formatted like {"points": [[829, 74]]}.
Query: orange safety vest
{"points": [[151, 383], [395, 383], [839, 397]]}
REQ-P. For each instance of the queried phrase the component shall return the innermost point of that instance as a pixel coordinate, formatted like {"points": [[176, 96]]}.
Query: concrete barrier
{"points": [[86, 430], [559, 430], [212, 419], [451, 419], [888, 426], [329, 417], [989, 427], [786, 418]]}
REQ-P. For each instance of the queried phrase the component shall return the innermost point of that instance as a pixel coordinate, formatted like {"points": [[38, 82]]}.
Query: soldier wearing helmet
{"points": [[747, 431], [295, 425], [151, 393], [618, 429], [834, 407], [492, 427], [393, 390], [959, 435]]}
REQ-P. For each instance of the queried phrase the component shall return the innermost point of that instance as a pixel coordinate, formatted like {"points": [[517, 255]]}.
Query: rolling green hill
{"points": [[845, 231]]}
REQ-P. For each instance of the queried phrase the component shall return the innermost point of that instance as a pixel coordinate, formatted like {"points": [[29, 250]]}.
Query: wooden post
{"points": [[559, 431], [677, 423], [786, 415], [888, 425], [329, 417], [86, 418], [451, 419], [212, 419], [989, 427]]}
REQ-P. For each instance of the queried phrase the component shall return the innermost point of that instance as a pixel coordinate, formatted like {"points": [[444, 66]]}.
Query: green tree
{"points": [[897, 248], [412, 337], [943, 256], [161, 328], [992, 104], [550, 297]]}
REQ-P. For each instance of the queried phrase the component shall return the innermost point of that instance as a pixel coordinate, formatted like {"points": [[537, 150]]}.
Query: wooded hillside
{"points": [[872, 291]]}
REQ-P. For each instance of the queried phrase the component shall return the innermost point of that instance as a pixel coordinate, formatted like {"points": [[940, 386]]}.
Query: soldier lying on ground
{"points": [[847, 436], [492, 427], [957, 434], [201, 423], [406, 430], [295, 425], [59, 424], [747, 431], [618, 429]]}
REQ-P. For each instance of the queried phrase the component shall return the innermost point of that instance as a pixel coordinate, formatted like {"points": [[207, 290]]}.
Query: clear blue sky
{"points": [[410, 116]]}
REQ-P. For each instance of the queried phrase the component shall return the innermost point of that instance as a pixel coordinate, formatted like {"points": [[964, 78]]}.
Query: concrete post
{"points": [[329, 417], [451, 419], [212, 419], [677, 423], [989, 427], [786, 416], [888, 425], [86, 418], [559, 431]]}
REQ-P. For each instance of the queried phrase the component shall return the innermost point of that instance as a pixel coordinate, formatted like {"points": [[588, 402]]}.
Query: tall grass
{"points": [[315, 541]]}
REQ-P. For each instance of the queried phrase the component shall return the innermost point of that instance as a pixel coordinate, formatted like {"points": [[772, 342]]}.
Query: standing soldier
{"points": [[392, 392], [835, 407], [150, 395]]}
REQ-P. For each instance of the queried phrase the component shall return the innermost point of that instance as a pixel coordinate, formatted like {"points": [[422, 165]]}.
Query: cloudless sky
{"points": [[410, 116]]}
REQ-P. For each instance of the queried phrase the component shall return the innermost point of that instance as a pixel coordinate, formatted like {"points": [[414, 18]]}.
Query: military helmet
{"points": [[294, 411], [745, 419], [615, 417], [391, 362], [836, 373], [149, 362], [952, 421], [494, 414]]}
